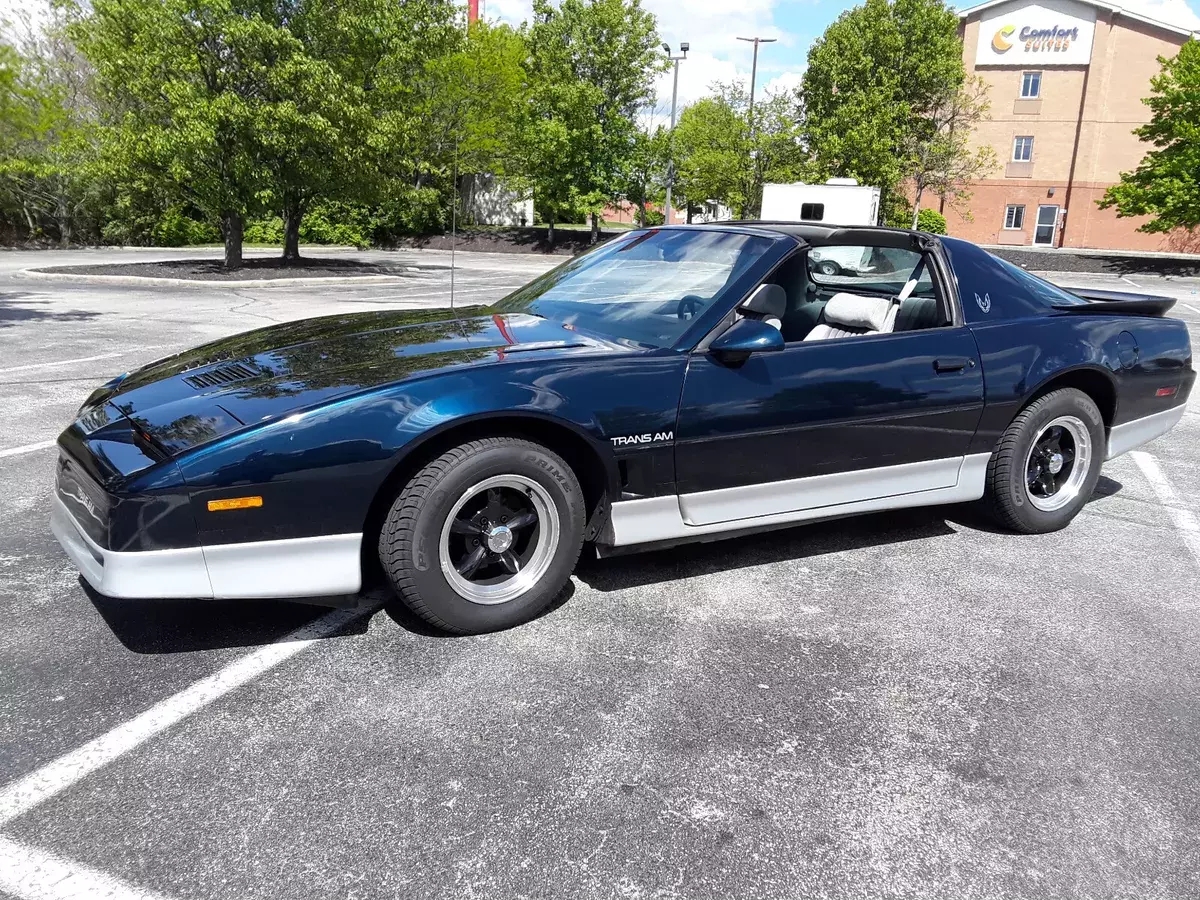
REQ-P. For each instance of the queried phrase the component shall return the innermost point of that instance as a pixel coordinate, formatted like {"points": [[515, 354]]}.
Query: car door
{"points": [[825, 423]]}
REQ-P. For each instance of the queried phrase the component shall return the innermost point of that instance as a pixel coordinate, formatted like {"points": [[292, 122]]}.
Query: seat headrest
{"points": [[768, 301], [854, 311]]}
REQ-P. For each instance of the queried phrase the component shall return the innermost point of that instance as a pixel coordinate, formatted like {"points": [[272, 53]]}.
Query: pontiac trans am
{"points": [[675, 384]]}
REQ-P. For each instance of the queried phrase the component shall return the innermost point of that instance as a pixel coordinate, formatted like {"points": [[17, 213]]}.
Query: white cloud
{"points": [[1173, 12]]}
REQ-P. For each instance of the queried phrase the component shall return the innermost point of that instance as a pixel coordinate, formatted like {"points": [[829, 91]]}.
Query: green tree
{"points": [[1166, 184], [642, 170], [471, 106], [593, 64], [47, 172], [194, 88], [717, 158], [873, 79], [944, 159], [711, 146]]}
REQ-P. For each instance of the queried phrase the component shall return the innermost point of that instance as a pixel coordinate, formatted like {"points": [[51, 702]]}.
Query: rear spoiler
{"points": [[1116, 302]]}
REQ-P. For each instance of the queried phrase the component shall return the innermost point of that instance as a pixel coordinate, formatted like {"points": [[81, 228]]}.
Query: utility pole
{"points": [[753, 80], [754, 72], [683, 49]]}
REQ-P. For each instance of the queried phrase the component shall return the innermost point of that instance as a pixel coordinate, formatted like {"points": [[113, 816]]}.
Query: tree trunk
{"points": [[550, 232], [917, 205], [642, 212], [292, 214], [231, 229], [689, 213], [595, 228]]}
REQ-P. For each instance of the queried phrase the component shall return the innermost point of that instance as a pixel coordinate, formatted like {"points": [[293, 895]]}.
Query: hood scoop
{"points": [[221, 375]]}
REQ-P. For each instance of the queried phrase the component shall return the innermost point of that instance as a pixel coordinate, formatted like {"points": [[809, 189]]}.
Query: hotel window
{"points": [[1022, 148], [1014, 217], [1031, 85]]}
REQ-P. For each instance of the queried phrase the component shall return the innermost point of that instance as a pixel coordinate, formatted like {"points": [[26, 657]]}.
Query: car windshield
{"points": [[643, 289]]}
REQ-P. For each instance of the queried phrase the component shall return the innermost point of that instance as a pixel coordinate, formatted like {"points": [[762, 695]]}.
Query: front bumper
{"points": [[329, 565], [151, 573]]}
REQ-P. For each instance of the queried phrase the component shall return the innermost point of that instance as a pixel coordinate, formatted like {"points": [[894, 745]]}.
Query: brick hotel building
{"points": [[1066, 81]]}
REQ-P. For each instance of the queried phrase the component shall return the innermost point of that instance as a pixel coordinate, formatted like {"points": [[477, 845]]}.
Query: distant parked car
{"points": [[676, 384]]}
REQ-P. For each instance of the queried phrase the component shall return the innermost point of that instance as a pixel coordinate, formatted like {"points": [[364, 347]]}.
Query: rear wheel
{"points": [[1047, 463], [485, 536], [829, 267]]}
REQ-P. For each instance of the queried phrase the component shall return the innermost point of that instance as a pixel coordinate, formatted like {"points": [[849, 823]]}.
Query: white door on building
{"points": [[1047, 220]]}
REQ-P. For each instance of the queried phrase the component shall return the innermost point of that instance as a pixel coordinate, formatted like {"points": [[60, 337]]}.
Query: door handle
{"points": [[952, 364]]}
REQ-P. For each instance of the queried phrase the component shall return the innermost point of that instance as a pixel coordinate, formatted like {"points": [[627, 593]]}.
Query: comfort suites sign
{"points": [[1034, 35]]}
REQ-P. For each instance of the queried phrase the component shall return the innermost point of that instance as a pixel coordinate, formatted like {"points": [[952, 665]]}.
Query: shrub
{"points": [[932, 221], [411, 210], [267, 230], [338, 223]]}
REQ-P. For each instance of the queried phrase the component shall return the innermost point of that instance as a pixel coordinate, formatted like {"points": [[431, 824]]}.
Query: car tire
{"points": [[1047, 463], [452, 560], [829, 268]]}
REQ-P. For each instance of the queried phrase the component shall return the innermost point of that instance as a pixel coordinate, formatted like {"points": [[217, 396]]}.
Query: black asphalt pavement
{"points": [[902, 705]]}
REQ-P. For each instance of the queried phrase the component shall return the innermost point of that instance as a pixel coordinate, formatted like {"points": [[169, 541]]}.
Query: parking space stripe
{"points": [[1189, 306], [62, 362], [31, 874], [28, 448], [1184, 519], [39, 786]]}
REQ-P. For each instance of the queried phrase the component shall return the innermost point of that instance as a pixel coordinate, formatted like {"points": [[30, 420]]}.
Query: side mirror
{"points": [[744, 337]]}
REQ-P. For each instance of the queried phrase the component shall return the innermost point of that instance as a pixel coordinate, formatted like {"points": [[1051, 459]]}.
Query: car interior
{"points": [[893, 292]]}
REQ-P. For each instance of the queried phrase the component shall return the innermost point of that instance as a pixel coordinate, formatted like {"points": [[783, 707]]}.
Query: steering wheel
{"points": [[689, 307]]}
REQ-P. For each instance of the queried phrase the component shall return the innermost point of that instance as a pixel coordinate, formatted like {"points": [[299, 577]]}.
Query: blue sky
{"points": [[712, 28]]}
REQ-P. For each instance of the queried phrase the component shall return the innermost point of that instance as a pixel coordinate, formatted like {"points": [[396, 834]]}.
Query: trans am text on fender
{"points": [[675, 384]]}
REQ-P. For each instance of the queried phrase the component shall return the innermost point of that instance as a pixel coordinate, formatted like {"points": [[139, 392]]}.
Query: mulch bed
{"points": [[508, 240], [1100, 264], [253, 269]]}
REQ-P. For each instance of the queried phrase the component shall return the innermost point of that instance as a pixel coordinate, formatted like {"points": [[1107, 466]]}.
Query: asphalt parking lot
{"points": [[901, 705]]}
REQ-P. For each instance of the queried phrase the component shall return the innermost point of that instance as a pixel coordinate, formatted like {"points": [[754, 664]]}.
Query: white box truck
{"points": [[839, 201]]}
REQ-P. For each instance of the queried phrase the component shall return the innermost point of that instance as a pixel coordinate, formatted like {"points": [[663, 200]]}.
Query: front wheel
{"points": [[485, 536], [829, 268], [1047, 463]]}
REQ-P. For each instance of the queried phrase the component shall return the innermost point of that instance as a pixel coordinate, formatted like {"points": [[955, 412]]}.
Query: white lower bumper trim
{"points": [[1123, 438], [299, 567]]}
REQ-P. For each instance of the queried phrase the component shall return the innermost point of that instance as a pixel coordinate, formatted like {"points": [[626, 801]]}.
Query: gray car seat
{"points": [[849, 315], [917, 313], [768, 303]]}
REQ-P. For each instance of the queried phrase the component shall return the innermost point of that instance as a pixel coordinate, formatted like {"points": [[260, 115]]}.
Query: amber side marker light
{"points": [[234, 503]]}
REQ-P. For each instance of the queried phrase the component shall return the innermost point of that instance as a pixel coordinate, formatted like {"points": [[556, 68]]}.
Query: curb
{"points": [[138, 280]]}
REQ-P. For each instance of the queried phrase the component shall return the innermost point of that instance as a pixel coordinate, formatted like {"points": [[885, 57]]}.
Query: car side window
{"points": [[869, 289]]}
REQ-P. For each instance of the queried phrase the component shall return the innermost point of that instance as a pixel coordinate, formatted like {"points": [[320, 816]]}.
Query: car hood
{"points": [[198, 395]]}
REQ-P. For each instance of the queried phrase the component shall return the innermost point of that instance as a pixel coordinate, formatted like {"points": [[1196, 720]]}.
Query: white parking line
{"points": [[62, 362], [24, 794], [28, 448], [1183, 518], [31, 874], [1189, 306]]}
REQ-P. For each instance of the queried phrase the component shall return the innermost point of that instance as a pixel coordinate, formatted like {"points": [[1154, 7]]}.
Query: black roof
{"points": [[818, 235]]}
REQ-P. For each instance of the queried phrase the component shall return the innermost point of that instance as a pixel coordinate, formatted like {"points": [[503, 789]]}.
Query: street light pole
{"points": [[754, 72], [683, 48]]}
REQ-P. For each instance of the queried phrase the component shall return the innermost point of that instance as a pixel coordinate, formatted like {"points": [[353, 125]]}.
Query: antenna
{"points": [[453, 224]]}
